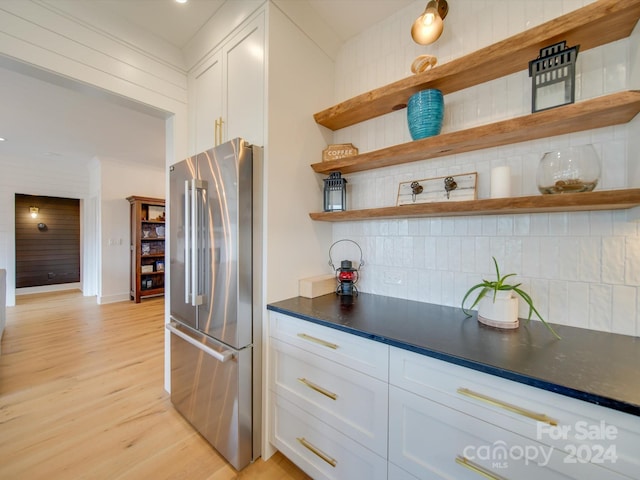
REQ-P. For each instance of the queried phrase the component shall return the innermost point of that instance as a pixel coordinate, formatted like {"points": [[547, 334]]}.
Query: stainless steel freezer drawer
{"points": [[211, 388]]}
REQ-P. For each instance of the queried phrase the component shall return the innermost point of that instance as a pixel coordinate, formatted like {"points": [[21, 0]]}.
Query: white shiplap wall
{"points": [[583, 268], [73, 40]]}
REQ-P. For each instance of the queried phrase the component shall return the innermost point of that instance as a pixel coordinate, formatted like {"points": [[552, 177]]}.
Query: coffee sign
{"points": [[337, 151]]}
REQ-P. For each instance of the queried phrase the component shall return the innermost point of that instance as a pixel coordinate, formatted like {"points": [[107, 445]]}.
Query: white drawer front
{"points": [[349, 401], [396, 473], [318, 449], [606, 437], [426, 438], [355, 352]]}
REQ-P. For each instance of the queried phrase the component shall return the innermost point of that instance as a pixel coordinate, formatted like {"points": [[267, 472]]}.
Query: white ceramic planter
{"points": [[503, 313]]}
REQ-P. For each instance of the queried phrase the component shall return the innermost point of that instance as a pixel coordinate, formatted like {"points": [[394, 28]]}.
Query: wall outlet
{"points": [[392, 277]]}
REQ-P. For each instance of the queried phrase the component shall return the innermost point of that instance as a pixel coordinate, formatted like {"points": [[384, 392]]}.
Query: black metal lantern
{"points": [[553, 76], [347, 276], [335, 193]]}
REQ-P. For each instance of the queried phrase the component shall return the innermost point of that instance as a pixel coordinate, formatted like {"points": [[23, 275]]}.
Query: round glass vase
{"points": [[569, 170], [425, 112]]}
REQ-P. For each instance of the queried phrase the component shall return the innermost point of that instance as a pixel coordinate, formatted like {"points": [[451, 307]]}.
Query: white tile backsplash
{"points": [[632, 261], [581, 268], [558, 300], [613, 250], [590, 259], [577, 305], [601, 304], [624, 310]]}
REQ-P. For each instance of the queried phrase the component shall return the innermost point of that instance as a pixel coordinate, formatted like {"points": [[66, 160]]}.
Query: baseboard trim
{"points": [[121, 297]]}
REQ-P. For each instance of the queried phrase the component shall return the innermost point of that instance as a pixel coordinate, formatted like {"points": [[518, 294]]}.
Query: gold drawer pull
{"points": [[466, 463], [317, 451], [318, 340], [319, 389], [540, 417]]}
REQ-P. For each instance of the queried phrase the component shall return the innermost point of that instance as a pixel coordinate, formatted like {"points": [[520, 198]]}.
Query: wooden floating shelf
{"points": [[613, 109], [596, 24], [568, 202]]}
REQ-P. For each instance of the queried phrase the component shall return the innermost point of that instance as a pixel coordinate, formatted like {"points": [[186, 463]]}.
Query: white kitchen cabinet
{"points": [[320, 450], [228, 90], [434, 441], [207, 104], [352, 351], [396, 473], [471, 414], [349, 401], [243, 84], [324, 389], [347, 407]]}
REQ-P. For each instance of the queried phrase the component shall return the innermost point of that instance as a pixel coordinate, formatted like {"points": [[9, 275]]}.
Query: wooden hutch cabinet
{"points": [[147, 247]]}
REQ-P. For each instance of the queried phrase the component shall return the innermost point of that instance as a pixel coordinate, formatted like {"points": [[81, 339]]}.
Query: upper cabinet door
{"points": [[243, 101], [226, 91], [207, 104]]}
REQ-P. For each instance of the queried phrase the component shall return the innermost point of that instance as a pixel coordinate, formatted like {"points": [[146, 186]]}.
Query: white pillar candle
{"points": [[501, 182]]}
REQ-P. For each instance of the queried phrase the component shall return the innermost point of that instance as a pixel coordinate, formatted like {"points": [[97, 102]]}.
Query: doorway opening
{"points": [[47, 239]]}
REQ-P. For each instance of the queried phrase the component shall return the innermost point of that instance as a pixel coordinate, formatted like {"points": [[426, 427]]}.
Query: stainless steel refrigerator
{"points": [[215, 323]]}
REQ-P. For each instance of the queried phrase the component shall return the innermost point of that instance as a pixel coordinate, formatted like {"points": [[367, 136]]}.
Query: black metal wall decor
{"points": [[553, 76]]}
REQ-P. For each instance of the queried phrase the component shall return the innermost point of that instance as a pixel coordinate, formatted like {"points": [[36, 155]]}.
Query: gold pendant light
{"points": [[429, 25]]}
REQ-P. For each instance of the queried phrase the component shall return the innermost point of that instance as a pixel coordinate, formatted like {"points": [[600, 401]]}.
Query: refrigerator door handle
{"points": [[187, 243], [222, 357], [203, 254], [194, 243], [192, 294], [197, 186]]}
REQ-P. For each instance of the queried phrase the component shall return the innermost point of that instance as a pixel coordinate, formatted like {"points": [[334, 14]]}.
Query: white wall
{"points": [[299, 83], [60, 37], [582, 268], [119, 181]]}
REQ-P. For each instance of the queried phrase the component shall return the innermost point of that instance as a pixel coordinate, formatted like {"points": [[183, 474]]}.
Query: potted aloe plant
{"points": [[498, 304]]}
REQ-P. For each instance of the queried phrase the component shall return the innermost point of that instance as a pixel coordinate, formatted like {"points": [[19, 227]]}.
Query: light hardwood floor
{"points": [[81, 397]]}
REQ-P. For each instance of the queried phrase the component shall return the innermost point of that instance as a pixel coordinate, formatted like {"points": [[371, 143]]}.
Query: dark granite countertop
{"points": [[597, 367]]}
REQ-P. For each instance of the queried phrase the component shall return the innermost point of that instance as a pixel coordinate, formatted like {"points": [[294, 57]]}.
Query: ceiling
{"points": [[178, 23], [53, 118]]}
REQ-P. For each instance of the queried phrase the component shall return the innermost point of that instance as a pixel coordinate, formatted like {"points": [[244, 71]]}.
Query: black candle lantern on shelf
{"points": [[347, 276], [553, 76], [335, 193]]}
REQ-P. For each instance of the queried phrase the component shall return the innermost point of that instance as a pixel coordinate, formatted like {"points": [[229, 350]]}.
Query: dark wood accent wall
{"points": [[51, 254]]}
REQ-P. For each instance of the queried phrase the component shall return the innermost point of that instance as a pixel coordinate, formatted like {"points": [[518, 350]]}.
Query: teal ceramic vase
{"points": [[425, 112]]}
